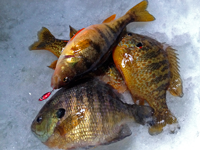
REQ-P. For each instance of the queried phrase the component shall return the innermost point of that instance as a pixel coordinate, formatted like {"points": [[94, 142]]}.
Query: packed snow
{"points": [[25, 75]]}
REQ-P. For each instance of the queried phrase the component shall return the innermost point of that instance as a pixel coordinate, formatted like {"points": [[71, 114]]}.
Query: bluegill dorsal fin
{"points": [[139, 12], [73, 31], [53, 65], [124, 131], [43, 36], [109, 19], [175, 87]]}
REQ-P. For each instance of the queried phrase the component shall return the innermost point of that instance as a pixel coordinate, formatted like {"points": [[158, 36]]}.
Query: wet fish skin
{"points": [[90, 48], [106, 73], [149, 71], [86, 115]]}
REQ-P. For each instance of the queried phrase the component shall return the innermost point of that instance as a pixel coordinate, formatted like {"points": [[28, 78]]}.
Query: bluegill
{"points": [[93, 45], [86, 115], [149, 69]]}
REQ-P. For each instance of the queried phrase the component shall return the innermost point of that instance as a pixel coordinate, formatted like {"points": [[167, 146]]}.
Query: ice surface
{"points": [[25, 77]]}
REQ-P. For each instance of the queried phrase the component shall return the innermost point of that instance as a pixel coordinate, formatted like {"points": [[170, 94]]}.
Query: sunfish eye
{"points": [[129, 34], [139, 45], [66, 79], [60, 113], [39, 119]]}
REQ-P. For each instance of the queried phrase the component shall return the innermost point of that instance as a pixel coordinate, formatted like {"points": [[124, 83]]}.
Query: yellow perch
{"points": [[92, 46]]}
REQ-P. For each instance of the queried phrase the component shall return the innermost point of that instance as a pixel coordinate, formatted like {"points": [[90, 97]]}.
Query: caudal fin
{"points": [[46, 41], [139, 13], [44, 37], [144, 114]]}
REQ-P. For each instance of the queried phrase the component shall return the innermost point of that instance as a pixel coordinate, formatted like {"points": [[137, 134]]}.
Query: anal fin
{"points": [[124, 132]]}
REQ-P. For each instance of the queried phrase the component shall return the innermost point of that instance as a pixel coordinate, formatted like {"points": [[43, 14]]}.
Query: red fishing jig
{"points": [[45, 96]]}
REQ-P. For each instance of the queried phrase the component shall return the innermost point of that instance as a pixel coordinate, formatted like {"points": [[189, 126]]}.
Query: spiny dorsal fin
{"points": [[109, 19], [175, 87], [44, 36], [72, 31]]}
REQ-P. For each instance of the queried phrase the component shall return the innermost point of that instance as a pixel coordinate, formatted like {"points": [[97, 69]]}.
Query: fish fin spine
{"points": [[175, 87], [73, 31]]}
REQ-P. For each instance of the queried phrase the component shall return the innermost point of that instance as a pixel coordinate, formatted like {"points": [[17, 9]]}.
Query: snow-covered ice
{"points": [[25, 75]]}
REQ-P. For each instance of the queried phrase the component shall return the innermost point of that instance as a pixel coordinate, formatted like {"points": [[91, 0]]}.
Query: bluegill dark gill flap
{"points": [[87, 114]]}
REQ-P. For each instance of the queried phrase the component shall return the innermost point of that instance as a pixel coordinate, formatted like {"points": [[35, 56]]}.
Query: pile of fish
{"points": [[93, 69]]}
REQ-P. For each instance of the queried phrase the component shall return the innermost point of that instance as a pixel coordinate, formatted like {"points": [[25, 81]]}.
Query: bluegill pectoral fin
{"points": [[124, 132], [109, 19], [73, 31], [175, 87], [53, 65]]}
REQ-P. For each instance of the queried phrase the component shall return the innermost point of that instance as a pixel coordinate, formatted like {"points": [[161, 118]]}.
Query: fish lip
{"points": [[55, 79]]}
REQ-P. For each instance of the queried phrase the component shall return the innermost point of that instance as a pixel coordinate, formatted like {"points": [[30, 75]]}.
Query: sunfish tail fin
{"points": [[143, 114], [139, 13]]}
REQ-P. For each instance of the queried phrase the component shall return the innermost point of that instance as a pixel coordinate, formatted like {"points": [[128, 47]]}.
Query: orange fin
{"points": [[72, 31], [139, 12], [53, 65], [109, 19], [175, 87]]}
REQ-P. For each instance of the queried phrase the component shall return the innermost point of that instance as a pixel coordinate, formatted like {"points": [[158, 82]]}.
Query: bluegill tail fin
{"points": [[143, 114], [139, 13], [175, 87], [46, 41]]}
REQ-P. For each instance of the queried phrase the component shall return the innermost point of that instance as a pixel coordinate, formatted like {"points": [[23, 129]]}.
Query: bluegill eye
{"points": [[129, 34], [39, 119], [66, 79], [60, 113], [139, 45]]}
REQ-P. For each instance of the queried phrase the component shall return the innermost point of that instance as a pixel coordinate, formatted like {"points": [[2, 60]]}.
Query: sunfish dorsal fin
{"points": [[175, 87]]}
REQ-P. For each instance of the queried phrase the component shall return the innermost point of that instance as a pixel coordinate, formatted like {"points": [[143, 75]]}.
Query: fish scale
{"points": [[94, 115], [149, 71]]}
